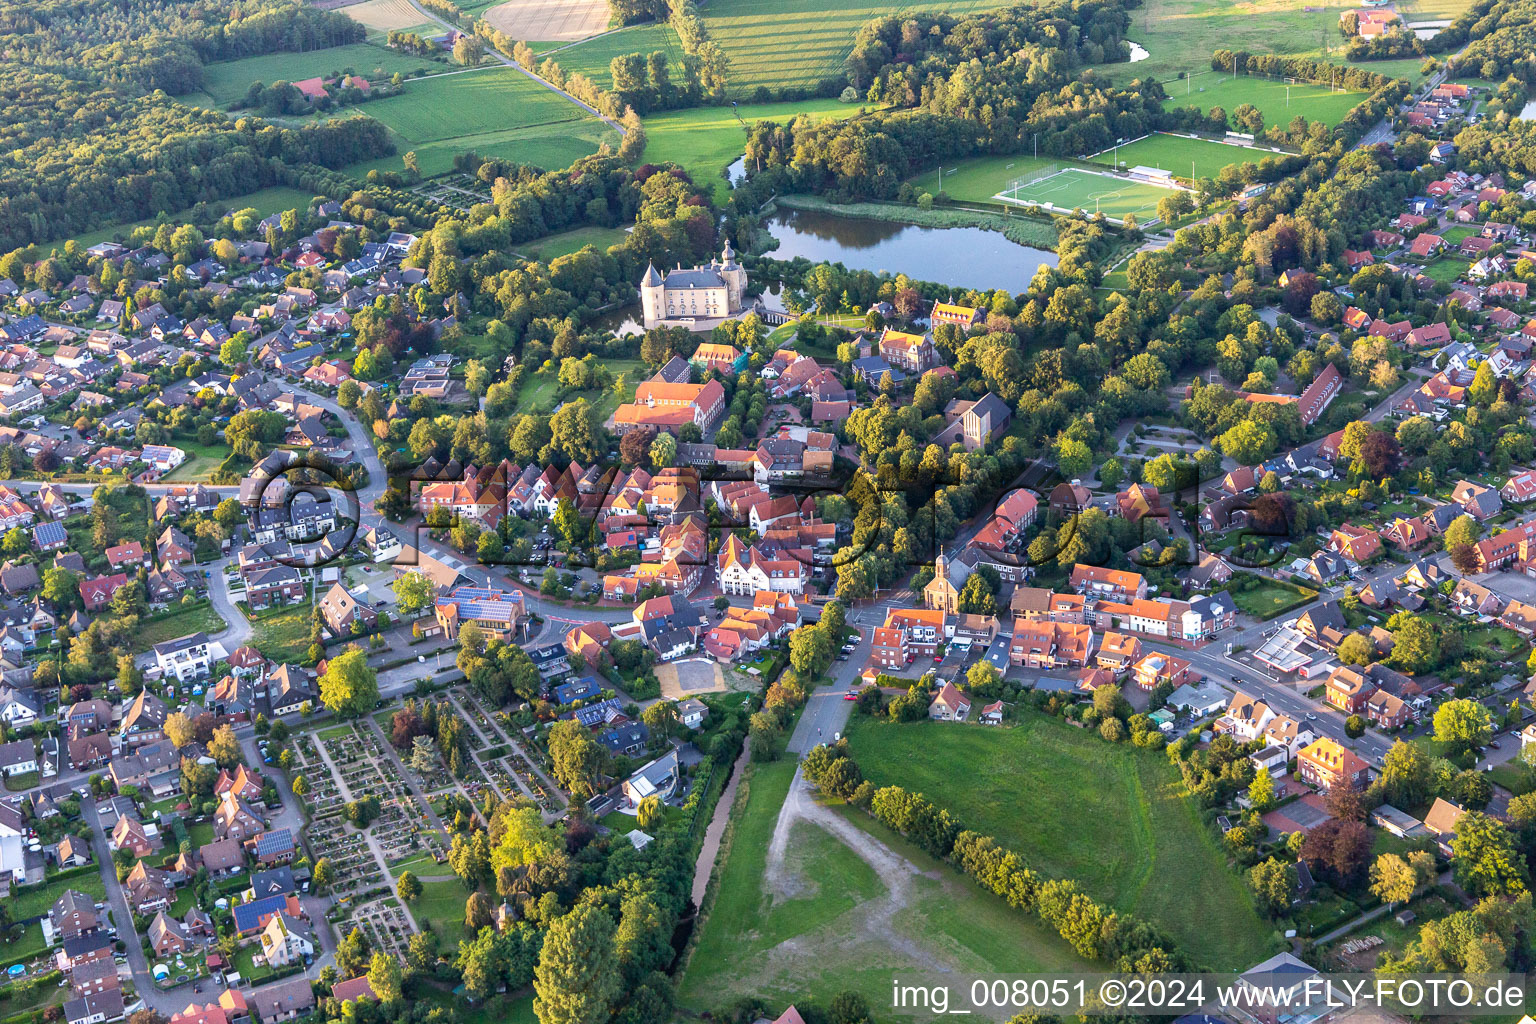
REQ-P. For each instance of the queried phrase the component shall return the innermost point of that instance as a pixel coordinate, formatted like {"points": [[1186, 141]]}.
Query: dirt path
{"points": [[704, 866], [877, 917]]}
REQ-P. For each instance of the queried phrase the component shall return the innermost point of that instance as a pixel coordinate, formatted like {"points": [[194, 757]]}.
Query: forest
{"points": [[90, 136]]}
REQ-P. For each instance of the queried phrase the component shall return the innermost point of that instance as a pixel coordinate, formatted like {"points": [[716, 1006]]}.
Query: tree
{"points": [[577, 980], [661, 718], [424, 757], [1354, 727], [178, 729], [1393, 879], [300, 785], [810, 653], [1261, 791], [1484, 857], [349, 686], [323, 874], [1356, 649], [413, 592], [649, 811], [477, 912], [1463, 724], [1416, 643], [1405, 774], [1272, 882], [409, 887], [224, 747], [1463, 530], [384, 977]]}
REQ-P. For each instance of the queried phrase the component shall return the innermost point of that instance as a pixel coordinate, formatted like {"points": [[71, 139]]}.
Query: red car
{"points": [[851, 695]]}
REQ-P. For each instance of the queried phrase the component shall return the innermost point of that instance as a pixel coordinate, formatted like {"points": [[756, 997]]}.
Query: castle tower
{"points": [[735, 277], [653, 297]]}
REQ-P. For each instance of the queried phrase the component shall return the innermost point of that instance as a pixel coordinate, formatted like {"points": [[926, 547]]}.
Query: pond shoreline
{"points": [[1032, 232]]}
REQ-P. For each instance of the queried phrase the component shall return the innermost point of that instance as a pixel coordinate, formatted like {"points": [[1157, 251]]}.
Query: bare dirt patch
{"points": [[550, 20], [683, 679], [876, 917]]}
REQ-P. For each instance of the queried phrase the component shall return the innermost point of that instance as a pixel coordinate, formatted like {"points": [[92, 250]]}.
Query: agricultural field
{"points": [[779, 43], [472, 103], [1114, 818], [227, 81], [706, 140], [1278, 102], [549, 146], [828, 921], [592, 57], [1181, 155], [544, 20], [385, 16], [1075, 189]]}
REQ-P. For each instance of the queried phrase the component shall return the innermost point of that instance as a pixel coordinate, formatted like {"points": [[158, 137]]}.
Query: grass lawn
{"points": [[21, 782], [227, 81], [1447, 269], [265, 201], [1278, 102], [1271, 598], [823, 938], [419, 864], [1116, 819], [245, 964], [456, 106], [551, 146], [567, 242], [1181, 155], [30, 944], [1460, 233], [778, 43], [36, 901], [201, 833], [706, 140], [283, 635], [441, 904], [1179, 35], [179, 621], [539, 391], [1077, 189]]}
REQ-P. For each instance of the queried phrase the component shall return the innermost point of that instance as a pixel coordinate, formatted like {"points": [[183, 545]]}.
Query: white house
{"points": [[19, 708], [18, 758], [659, 778], [187, 657], [286, 940], [163, 457]]}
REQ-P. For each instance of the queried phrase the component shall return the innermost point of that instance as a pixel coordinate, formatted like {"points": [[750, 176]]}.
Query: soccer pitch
{"points": [[1276, 100], [1181, 155], [1075, 189]]}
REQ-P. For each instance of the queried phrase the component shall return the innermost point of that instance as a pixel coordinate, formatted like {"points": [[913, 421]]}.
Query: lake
{"points": [[963, 257]]}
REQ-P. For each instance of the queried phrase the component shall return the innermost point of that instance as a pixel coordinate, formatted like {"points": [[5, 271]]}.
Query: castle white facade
{"points": [[708, 293]]}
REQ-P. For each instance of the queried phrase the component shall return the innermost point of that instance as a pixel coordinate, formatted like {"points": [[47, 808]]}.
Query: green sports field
{"points": [[1113, 817], [1076, 189], [227, 81], [1179, 154], [1278, 102]]}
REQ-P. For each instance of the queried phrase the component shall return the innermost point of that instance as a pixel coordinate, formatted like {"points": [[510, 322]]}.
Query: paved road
{"points": [[826, 712]]}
